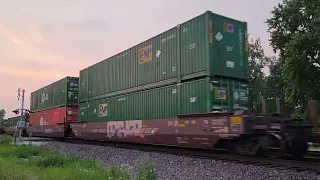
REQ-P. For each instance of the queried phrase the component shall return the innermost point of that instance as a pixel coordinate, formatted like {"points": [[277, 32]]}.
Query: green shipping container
{"points": [[200, 96], [2, 122], [63, 92], [151, 63], [5, 123], [211, 45], [213, 94], [13, 121], [208, 45], [151, 104]]}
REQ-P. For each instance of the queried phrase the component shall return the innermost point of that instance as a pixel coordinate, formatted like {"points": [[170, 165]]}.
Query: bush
{"points": [[35, 163]]}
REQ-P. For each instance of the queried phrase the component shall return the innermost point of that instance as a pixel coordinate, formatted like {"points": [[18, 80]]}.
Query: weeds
{"points": [[146, 170], [35, 163], [56, 161]]}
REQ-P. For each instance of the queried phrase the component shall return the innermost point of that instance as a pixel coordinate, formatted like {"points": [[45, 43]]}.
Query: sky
{"points": [[42, 41]]}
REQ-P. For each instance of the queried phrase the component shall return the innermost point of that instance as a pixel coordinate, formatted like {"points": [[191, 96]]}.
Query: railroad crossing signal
{"points": [[16, 111]]}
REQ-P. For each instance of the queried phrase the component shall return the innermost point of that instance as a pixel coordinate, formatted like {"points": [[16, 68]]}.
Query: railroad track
{"points": [[309, 163]]}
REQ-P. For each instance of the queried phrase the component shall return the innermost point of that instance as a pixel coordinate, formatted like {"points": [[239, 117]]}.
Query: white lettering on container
{"points": [[193, 99], [122, 99], [230, 64], [44, 97], [174, 91], [192, 46], [168, 38], [229, 48]]}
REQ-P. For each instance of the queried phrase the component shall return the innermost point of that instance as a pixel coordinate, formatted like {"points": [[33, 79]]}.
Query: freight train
{"points": [[187, 86]]}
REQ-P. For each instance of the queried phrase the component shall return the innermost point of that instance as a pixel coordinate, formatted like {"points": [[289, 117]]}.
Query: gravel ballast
{"points": [[177, 167]]}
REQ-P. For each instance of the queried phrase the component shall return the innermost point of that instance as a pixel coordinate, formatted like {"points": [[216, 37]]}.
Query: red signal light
{"points": [[16, 111]]}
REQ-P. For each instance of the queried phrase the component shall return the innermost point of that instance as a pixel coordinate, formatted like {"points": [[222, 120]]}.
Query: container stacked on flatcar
{"points": [[53, 106], [199, 66], [2, 125], [10, 125]]}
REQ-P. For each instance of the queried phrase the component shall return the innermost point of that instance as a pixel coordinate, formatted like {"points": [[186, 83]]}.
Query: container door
{"points": [[73, 89], [239, 94], [228, 49], [220, 91], [229, 95]]}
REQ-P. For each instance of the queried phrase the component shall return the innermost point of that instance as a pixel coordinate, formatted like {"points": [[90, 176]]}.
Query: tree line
{"points": [[294, 28]]}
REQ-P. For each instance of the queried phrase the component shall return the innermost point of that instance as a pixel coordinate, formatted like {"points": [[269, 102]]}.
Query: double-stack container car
{"points": [[10, 125], [54, 104], [164, 91], [209, 45]]}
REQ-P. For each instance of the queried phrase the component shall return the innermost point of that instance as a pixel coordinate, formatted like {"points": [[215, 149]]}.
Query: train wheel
{"points": [[297, 147], [248, 146], [273, 147], [231, 148]]}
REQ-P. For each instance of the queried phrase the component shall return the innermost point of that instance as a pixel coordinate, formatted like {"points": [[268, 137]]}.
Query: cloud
{"points": [[30, 34], [30, 73], [25, 63], [25, 49], [83, 40]]}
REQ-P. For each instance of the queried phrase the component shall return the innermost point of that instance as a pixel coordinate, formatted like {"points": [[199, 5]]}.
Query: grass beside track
{"points": [[36, 163], [314, 147]]}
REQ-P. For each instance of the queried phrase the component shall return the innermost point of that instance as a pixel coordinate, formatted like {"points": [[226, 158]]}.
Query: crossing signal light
{"points": [[16, 111]]}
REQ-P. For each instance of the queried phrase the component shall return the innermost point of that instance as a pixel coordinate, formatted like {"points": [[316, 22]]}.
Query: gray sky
{"points": [[42, 41]]}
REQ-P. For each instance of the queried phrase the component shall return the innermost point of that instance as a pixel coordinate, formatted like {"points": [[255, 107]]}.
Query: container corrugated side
{"points": [[83, 111], [194, 47], [63, 92], [152, 104], [53, 116], [83, 85], [212, 45], [5, 123], [2, 122], [195, 97], [148, 63]]}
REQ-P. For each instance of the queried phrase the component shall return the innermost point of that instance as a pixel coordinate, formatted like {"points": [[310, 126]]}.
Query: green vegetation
{"points": [[294, 30], [294, 75], [314, 147], [2, 113], [37, 163]]}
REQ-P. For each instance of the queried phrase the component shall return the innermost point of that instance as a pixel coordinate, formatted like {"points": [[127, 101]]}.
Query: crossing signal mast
{"points": [[21, 124]]}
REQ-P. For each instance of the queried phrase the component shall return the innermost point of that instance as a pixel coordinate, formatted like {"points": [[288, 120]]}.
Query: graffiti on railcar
{"points": [[122, 129]]}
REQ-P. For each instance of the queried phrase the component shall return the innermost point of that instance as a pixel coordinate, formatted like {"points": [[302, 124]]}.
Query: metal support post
{"points": [[22, 103], [19, 124]]}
